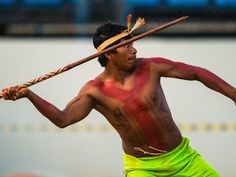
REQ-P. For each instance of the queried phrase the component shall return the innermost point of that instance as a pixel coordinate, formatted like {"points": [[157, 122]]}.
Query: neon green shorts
{"points": [[180, 162]]}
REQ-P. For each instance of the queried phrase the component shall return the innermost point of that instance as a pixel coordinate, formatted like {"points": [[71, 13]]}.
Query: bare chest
{"points": [[132, 95]]}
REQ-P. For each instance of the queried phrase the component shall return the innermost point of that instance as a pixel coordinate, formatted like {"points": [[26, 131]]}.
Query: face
{"points": [[125, 57]]}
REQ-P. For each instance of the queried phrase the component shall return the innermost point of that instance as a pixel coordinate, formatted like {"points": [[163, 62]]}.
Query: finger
{"points": [[12, 93], [8, 93], [22, 88], [14, 98], [5, 93], [5, 90], [17, 94]]}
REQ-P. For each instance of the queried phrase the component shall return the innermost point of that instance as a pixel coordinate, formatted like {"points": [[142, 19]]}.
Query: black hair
{"points": [[104, 32]]}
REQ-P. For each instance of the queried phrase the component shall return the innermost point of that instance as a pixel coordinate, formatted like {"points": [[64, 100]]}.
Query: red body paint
{"points": [[138, 109], [132, 102]]}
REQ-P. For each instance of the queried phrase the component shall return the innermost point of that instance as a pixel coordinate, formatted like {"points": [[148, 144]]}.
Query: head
{"points": [[104, 32]]}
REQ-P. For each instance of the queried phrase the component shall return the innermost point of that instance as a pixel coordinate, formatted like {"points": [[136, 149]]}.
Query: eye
{"points": [[128, 45]]}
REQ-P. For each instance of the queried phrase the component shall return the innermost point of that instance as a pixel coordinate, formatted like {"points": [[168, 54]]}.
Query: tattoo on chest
{"points": [[154, 98], [120, 119], [117, 113], [161, 111], [131, 129]]}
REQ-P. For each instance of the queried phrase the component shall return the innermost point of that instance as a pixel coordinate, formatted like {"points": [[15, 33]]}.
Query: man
{"points": [[129, 94]]}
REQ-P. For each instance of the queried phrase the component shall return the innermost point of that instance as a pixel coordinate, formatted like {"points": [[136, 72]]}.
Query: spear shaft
{"points": [[84, 60]]}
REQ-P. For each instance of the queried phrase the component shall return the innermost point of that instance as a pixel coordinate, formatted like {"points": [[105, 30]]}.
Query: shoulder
{"points": [[89, 87], [90, 90], [156, 60], [157, 65], [93, 84], [147, 63]]}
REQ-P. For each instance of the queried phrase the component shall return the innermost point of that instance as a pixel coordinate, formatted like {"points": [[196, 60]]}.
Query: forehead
{"points": [[130, 43]]}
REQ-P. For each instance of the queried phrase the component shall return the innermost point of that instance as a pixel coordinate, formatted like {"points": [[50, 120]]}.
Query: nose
{"points": [[133, 50]]}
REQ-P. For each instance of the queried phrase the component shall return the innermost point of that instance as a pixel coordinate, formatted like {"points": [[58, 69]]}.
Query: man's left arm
{"points": [[214, 82], [181, 70]]}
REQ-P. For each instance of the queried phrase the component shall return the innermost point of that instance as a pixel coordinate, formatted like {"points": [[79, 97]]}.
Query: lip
{"points": [[132, 57], [131, 61]]}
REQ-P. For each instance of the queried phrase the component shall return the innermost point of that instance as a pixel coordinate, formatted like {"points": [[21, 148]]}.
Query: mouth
{"points": [[132, 59]]}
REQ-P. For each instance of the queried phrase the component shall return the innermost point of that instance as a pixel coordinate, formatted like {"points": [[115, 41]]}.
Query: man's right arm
{"points": [[76, 110]]}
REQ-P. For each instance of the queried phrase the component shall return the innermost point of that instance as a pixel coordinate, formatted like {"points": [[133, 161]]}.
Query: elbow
{"points": [[62, 122], [195, 74], [65, 122], [62, 125]]}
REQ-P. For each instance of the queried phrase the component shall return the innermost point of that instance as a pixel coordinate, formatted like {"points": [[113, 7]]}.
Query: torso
{"points": [[138, 111]]}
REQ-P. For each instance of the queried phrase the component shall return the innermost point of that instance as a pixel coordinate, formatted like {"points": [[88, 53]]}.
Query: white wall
{"points": [[97, 153]]}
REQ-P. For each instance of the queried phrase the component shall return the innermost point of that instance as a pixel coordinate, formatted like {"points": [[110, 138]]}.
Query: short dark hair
{"points": [[104, 32]]}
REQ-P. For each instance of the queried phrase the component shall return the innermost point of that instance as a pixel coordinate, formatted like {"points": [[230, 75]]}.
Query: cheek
{"points": [[124, 55]]}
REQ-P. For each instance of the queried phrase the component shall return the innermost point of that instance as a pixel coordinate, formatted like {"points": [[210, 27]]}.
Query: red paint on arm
{"points": [[190, 72], [216, 83]]}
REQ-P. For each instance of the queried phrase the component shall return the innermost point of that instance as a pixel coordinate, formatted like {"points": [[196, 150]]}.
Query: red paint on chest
{"points": [[132, 102]]}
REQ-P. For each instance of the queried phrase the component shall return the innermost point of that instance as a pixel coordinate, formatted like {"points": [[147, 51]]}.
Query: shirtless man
{"points": [[129, 94]]}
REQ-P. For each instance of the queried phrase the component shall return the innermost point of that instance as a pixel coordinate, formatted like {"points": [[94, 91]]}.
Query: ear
{"points": [[108, 55]]}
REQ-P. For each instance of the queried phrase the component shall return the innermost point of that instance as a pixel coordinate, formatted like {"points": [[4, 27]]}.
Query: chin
{"points": [[131, 67]]}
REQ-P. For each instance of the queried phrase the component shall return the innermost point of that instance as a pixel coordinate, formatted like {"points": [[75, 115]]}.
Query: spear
{"points": [[84, 60]]}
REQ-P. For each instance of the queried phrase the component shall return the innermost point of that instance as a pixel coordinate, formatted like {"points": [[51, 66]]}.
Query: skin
{"points": [[129, 94]]}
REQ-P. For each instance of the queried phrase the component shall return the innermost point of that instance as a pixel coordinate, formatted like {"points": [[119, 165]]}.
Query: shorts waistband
{"points": [[184, 143]]}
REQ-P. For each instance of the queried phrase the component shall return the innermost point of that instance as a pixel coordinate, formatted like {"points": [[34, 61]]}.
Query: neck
{"points": [[117, 75]]}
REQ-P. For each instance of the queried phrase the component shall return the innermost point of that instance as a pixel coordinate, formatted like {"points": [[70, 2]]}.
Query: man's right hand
{"points": [[15, 93]]}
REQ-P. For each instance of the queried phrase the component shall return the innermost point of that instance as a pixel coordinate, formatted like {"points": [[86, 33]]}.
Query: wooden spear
{"points": [[79, 62]]}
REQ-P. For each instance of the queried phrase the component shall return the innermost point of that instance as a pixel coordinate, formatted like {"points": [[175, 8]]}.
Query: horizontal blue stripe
{"points": [[225, 3], [188, 3], [144, 2], [42, 2], [7, 2]]}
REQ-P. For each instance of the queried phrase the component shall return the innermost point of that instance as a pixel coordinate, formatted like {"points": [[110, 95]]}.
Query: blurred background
{"points": [[39, 36], [81, 17]]}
